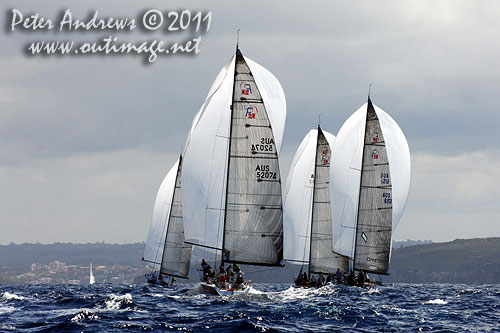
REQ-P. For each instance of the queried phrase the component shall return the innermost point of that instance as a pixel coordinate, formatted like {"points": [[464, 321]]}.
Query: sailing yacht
{"points": [[165, 249], [371, 172], [91, 277], [231, 178], [308, 236]]}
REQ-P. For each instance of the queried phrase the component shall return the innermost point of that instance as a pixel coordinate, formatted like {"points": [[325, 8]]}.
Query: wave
{"points": [[8, 296], [436, 301], [115, 302]]}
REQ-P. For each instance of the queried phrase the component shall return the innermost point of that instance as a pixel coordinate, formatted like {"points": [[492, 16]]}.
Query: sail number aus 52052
{"points": [[262, 172]]}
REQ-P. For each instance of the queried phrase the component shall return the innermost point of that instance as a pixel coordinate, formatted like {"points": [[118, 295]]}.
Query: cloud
{"points": [[76, 132], [82, 198], [452, 196]]}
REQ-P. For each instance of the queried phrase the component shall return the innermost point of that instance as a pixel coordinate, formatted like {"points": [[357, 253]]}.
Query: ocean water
{"points": [[268, 308]]}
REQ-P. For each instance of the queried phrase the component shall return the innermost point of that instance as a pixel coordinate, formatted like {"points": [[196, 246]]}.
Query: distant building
{"points": [[57, 265]]}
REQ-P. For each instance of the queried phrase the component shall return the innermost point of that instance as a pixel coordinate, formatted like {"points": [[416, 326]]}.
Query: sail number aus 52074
{"points": [[266, 144], [262, 172]]}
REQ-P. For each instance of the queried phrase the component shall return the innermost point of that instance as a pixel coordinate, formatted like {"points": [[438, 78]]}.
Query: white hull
{"points": [[212, 289]]}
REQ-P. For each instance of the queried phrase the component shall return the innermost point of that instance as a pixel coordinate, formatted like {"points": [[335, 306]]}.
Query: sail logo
{"points": [[246, 88], [374, 154], [365, 238], [375, 137], [251, 112], [324, 156]]}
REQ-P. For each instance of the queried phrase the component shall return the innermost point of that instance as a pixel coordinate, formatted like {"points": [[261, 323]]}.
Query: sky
{"points": [[85, 141]]}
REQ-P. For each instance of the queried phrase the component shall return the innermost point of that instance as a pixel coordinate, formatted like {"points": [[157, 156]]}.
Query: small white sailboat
{"points": [[308, 238], [91, 277], [231, 177], [165, 248], [371, 172]]}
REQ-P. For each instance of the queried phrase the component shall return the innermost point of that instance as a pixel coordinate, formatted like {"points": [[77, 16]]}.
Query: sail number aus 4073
{"points": [[262, 172]]}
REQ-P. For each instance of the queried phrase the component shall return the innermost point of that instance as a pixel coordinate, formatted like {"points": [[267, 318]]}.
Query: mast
{"points": [[313, 197], [229, 155], [360, 180]]}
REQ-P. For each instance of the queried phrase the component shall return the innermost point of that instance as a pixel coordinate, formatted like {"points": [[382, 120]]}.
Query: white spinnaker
{"points": [[206, 153], [155, 243], [345, 172], [298, 196]]}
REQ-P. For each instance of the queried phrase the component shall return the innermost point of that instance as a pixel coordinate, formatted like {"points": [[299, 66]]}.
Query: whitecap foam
{"points": [[8, 296], [115, 301], [436, 301], [84, 313]]}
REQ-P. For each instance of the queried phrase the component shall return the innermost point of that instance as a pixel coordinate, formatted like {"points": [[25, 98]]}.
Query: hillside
{"points": [[459, 261]]}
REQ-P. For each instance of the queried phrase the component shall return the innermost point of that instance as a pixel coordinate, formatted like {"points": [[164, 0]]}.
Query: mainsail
{"points": [[308, 218], [231, 177], [165, 247], [322, 259], [374, 224], [371, 182]]}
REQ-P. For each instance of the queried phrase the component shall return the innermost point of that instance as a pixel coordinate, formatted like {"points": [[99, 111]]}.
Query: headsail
{"points": [[210, 169], [347, 167]]}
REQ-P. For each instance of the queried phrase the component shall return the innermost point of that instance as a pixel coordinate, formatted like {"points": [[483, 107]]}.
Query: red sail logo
{"points": [[246, 88]]}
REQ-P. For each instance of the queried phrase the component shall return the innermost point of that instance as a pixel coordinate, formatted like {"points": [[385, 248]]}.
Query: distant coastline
{"points": [[460, 261]]}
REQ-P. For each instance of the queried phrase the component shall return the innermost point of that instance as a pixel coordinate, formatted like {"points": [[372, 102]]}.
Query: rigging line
{"points": [[262, 270], [369, 88]]}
